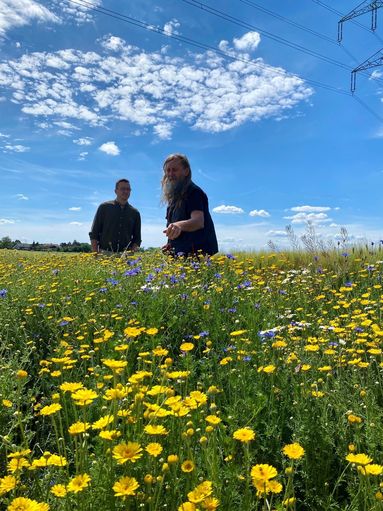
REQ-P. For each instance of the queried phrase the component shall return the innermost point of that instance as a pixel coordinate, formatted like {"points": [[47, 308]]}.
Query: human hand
{"points": [[172, 231]]}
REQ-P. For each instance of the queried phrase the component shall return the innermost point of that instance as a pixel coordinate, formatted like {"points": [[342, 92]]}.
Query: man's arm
{"points": [[194, 223], [136, 235], [95, 231]]}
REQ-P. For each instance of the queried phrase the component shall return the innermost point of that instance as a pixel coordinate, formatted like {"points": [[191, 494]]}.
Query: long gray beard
{"points": [[173, 191]]}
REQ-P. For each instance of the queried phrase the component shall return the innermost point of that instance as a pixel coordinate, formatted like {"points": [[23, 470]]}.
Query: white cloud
{"points": [[247, 42], [310, 209], [110, 148], [4, 221], [83, 141], [21, 196], [18, 13], [259, 212], [277, 234], [81, 13], [113, 43], [171, 26], [16, 148], [315, 218], [75, 208], [75, 223], [149, 89], [82, 155], [375, 75], [228, 210]]}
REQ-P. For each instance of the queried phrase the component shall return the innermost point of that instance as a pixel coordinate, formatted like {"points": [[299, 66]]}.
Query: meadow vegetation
{"points": [[248, 382]]}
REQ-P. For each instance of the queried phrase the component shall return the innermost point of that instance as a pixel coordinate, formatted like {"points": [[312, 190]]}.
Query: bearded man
{"points": [[190, 229]]}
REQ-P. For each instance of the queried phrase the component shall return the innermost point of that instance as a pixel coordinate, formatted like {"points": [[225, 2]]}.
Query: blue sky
{"points": [[272, 132]]}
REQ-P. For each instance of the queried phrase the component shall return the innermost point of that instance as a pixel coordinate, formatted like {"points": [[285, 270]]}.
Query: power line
{"points": [[248, 26], [192, 42], [338, 13], [289, 21]]}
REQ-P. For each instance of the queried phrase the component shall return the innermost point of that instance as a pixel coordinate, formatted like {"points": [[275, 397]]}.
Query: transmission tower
{"points": [[376, 59], [373, 61], [362, 8]]}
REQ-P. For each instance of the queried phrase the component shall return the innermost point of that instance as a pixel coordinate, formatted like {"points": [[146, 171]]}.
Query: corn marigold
{"points": [[124, 452], [126, 486]]}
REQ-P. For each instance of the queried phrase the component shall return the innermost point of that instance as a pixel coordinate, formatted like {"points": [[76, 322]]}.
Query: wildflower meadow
{"points": [[240, 382]]}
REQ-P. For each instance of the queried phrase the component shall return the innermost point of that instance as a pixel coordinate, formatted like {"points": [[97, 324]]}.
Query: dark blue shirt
{"points": [[205, 239]]}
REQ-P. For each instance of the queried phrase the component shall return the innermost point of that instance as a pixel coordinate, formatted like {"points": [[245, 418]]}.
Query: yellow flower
{"points": [[71, 386], [244, 435], [78, 483], [371, 470], [84, 396], [187, 346], [17, 464], [289, 502], [78, 427], [354, 419], [125, 486], [50, 409], [103, 422], [160, 352], [187, 466], [152, 429], [7, 483], [187, 506], [115, 365], [127, 452], [24, 504], [201, 492], [59, 490], [269, 369], [213, 419], [172, 458], [359, 459], [7, 403], [151, 331], [154, 449], [21, 374], [236, 333], [293, 451], [263, 472], [210, 504], [112, 434], [264, 487]]}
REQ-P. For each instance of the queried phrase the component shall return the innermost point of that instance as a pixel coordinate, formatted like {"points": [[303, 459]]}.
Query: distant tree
{"points": [[6, 242]]}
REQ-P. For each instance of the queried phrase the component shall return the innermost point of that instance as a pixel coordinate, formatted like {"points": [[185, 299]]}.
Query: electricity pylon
{"points": [[374, 61], [362, 8]]}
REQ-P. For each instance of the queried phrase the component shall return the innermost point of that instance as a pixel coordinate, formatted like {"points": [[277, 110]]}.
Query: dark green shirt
{"points": [[116, 227]]}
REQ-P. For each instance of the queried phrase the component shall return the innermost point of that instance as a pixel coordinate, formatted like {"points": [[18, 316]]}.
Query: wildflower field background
{"points": [[241, 382]]}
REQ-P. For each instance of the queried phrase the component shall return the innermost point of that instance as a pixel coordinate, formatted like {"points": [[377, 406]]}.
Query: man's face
{"points": [[175, 172], [123, 192]]}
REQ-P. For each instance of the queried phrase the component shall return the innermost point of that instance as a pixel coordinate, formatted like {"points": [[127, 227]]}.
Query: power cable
{"points": [[192, 42], [248, 26]]}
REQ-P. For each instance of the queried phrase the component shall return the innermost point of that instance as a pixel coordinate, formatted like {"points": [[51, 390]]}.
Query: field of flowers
{"points": [[146, 383]]}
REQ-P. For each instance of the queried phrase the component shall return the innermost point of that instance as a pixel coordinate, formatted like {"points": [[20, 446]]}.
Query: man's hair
{"points": [[169, 197], [121, 181]]}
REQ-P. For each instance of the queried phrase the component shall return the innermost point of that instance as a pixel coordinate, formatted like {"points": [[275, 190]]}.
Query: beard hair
{"points": [[173, 190]]}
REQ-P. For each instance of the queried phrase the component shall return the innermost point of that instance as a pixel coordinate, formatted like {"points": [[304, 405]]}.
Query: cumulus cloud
{"points": [[113, 43], [170, 28], [17, 148], [228, 210], [248, 42], [80, 13], [110, 148], [310, 209], [83, 141], [315, 218], [75, 208], [375, 75], [259, 212], [82, 155], [18, 13], [149, 89], [21, 196]]}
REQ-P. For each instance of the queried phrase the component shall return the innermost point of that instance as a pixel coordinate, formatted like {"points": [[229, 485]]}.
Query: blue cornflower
{"points": [[3, 293], [112, 281]]}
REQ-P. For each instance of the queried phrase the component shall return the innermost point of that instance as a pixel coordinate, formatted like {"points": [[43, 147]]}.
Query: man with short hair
{"points": [[117, 225], [189, 228]]}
